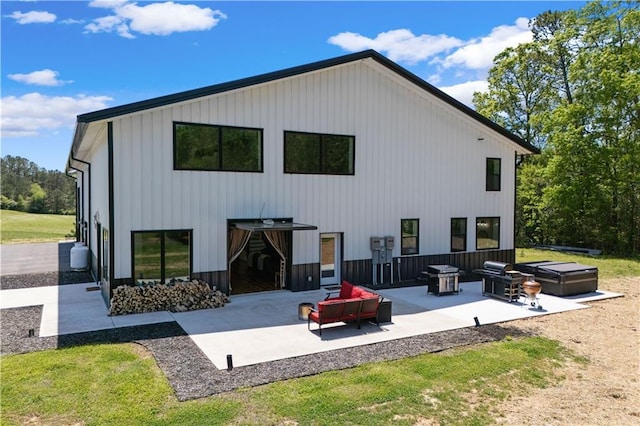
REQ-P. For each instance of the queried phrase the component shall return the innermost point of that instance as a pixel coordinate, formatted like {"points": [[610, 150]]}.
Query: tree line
{"points": [[574, 92], [29, 188]]}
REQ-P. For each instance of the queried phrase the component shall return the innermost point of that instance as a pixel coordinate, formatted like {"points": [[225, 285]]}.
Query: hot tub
{"points": [[562, 278]]}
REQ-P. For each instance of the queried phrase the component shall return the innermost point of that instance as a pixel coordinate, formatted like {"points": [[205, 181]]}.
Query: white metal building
{"points": [[285, 177]]}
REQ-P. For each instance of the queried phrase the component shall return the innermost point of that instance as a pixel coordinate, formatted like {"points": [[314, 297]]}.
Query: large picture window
{"points": [[487, 233], [409, 243], [459, 234], [216, 148], [161, 255], [314, 153], [493, 174]]}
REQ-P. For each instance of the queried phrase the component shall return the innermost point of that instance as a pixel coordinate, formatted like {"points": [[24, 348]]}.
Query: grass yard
{"points": [[119, 384], [20, 227]]}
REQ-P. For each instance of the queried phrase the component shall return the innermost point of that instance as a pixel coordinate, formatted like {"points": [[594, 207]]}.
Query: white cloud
{"points": [[463, 92], [44, 77], [478, 53], [33, 113], [72, 21], [33, 17], [153, 19], [401, 45]]}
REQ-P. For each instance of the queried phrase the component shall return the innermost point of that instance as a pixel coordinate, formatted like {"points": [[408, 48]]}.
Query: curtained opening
{"points": [[258, 254]]}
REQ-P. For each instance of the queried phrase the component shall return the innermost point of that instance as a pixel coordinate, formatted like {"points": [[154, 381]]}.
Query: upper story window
{"points": [[487, 233], [459, 234], [216, 148], [493, 174], [409, 243], [315, 153]]}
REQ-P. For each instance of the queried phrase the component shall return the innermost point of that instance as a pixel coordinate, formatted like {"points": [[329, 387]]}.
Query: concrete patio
{"points": [[261, 327]]}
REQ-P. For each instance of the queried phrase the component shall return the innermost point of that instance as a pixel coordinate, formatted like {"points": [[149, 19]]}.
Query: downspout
{"points": [[112, 233], [519, 159]]}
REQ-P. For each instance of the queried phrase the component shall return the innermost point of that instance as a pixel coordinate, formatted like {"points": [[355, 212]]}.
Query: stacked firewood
{"points": [[177, 296]]}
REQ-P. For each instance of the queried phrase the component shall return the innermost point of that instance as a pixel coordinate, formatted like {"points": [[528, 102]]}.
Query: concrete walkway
{"points": [[262, 327]]}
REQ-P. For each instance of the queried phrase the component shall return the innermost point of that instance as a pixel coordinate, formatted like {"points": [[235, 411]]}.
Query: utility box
{"points": [[377, 243], [389, 242]]}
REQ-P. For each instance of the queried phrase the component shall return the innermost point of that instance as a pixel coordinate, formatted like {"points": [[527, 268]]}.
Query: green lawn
{"points": [[20, 227], [115, 385]]}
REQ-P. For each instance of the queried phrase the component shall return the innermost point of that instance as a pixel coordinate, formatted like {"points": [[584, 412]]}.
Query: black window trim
{"points": [[487, 180], [321, 135], [162, 250], [466, 228], [417, 238], [219, 127], [499, 232]]}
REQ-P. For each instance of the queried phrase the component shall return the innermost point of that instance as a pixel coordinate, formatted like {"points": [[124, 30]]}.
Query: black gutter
{"points": [[105, 114], [111, 212]]}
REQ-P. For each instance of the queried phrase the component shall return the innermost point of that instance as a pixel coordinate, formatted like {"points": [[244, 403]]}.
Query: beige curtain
{"points": [[238, 239], [279, 243]]}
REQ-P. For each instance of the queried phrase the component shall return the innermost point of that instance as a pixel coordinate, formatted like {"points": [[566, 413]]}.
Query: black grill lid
{"points": [[442, 269], [499, 267]]}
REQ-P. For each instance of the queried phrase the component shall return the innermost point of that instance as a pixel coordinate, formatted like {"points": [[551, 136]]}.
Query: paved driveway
{"points": [[35, 258]]}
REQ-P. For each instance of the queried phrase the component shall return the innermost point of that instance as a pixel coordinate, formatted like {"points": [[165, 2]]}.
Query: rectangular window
{"points": [[161, 255], [410, 231], [216, 148], [487, 233], [314, 153], [459, 234], [493, 174]]}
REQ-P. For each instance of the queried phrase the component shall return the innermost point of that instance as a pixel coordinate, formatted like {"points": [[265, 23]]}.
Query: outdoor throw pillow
{"points": [[345, 290]]}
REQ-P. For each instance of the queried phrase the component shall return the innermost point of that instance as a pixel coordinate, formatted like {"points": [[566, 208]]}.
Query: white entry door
{"points": [[330, 259]]}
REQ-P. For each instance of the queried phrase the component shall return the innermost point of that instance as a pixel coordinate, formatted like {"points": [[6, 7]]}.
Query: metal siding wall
{"points": [[361, 271], [415, 157]]}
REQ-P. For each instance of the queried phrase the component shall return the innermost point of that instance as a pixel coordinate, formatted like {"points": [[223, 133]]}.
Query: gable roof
{"points": [[84, 119]]}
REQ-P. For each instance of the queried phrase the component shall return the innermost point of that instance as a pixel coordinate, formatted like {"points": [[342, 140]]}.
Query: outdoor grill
{"points": [[530, 289], [500, 280], [442, 279], [562, 278]]}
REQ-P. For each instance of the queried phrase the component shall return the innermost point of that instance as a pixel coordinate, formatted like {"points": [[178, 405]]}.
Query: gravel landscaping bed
{"points": [[192, 375]]}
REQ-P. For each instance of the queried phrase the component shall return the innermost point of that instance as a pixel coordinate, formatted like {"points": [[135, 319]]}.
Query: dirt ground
{"points": [[605, 390]]}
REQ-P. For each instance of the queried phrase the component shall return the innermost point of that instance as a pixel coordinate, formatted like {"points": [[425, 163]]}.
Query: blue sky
{"points": [[64, 58]]}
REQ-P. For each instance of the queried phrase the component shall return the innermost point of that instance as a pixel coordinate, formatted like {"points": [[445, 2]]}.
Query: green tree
{"points": [[584, 188], [595, 174], [18, 176], [36, 201]]}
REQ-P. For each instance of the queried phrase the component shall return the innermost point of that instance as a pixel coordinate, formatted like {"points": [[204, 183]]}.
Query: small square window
{"points": [[459, 234], [487, 233], [410, 231], [493, 174]]}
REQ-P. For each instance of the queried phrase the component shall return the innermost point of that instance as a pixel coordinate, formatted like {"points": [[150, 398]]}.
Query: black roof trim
{"points": [[161, 101]]}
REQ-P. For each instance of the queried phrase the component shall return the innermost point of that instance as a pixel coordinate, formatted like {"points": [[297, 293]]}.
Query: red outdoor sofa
{"points": [[352, 304]]}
